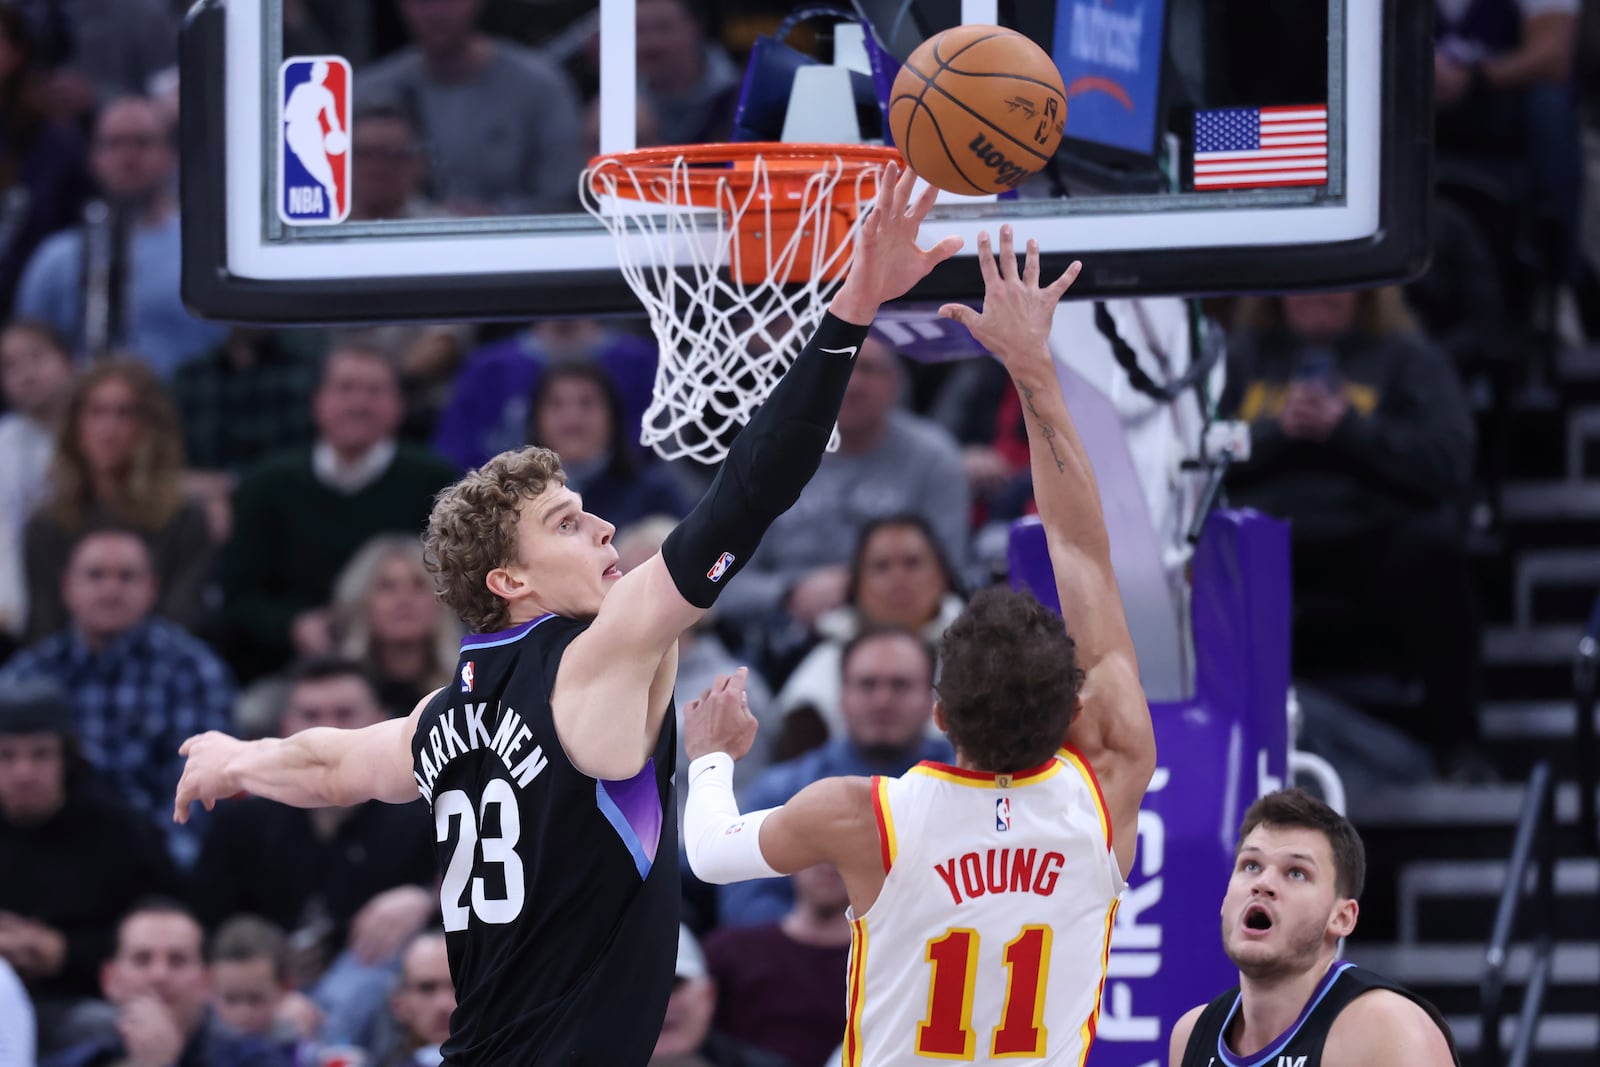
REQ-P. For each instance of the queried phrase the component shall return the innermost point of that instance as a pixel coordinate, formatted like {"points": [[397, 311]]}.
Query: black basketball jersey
{"points": [[560, 892], [1302, 1045]]}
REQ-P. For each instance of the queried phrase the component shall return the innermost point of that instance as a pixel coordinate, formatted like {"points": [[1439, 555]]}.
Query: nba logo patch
{"points": [[1002, 814], [314, 140], [719, 568], [467, 673]]}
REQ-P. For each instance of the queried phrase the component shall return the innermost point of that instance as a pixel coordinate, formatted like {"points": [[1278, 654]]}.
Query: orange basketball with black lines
{"points": [[978, 109]]}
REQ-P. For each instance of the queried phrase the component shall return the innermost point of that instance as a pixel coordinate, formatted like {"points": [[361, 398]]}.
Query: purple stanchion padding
{"points": [[885, 69], [1217, 753]]}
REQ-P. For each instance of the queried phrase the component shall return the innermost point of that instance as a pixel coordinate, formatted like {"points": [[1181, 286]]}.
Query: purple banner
{"points": [[920, 334], [1217, 753]]}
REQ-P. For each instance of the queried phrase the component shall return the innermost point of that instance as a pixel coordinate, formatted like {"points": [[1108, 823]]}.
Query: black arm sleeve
{"points": [[768, 465]]}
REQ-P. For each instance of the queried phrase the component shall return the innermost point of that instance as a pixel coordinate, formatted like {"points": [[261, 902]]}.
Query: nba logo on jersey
{"points": [[1002, 814], [719, 568], [314, 144], [466, 676]]}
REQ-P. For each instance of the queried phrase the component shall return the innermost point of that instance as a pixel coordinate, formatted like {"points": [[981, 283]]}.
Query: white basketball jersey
{"points": [[990, 936]]}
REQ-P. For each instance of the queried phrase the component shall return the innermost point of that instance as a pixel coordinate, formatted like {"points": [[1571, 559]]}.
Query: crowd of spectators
{"points": [[216, 528]]}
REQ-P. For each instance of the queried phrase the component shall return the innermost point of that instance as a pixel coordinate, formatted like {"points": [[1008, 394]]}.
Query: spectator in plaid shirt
{"points": [[247, 397], [138, 683]]}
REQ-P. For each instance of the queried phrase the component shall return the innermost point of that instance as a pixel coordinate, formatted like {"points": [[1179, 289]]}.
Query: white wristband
{"points": [[722, 845]]}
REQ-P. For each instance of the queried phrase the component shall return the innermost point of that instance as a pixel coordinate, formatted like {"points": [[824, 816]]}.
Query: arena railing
{"points": [[1585, 684], [1534, 846]]}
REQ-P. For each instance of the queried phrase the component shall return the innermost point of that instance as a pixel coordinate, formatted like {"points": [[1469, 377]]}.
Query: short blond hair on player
{"points": [[473, 529]]}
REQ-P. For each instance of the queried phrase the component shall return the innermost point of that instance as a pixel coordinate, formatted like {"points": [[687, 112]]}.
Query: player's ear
{"points": [[1345, 912], [505, 585]]}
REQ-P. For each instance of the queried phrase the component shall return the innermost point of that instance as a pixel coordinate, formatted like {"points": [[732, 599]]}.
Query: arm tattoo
{"points": [[1045, 428]]}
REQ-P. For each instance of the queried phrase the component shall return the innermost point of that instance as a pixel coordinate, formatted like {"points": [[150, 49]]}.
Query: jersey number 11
{"points": [[947, 1031]]}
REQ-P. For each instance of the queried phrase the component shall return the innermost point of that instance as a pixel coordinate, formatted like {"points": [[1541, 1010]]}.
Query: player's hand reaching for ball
{"points": [[1017, 312], [719, 719], [888, 261], [206, 774]]}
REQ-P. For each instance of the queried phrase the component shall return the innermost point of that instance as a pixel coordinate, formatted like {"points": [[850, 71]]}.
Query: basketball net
{"points": [[734, 251]]}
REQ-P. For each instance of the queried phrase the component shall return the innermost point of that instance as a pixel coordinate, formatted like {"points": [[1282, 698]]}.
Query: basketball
{"points": [[977, 109], [337, 142]]}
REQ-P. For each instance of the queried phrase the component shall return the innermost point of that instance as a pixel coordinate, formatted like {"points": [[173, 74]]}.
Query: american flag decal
{"points": [[1260, 147]]}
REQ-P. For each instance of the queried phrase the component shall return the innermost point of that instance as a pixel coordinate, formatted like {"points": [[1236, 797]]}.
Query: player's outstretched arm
{"points": [[599, 700], [829, 821], [1113, 730], [317, 768]]}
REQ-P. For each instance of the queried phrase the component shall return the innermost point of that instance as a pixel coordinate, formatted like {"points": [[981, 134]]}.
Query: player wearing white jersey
{"points": [[1007, 892], [981, 894]]}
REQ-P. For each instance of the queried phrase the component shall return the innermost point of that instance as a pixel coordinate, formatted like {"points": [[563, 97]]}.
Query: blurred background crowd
{"points": [[205, 528]]}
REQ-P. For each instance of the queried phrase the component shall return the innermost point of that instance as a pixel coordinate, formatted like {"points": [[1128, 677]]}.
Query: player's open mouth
{"points": [[611, 572], [1257, 918]]}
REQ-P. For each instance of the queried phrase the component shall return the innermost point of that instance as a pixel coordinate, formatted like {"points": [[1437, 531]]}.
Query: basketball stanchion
{"points": [[734, 250]]}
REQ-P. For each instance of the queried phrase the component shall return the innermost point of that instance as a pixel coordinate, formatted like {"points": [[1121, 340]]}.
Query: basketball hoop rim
{"points": [[686, 166], [729, 302]]}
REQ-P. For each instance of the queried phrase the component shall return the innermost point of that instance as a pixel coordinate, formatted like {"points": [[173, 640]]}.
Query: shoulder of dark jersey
{"points": [[550, 638], [1206, 1026], [495, 654], [1361, 981]]}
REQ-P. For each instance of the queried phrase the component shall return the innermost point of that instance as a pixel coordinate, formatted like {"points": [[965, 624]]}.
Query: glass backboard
{"points": [[420, 160]]}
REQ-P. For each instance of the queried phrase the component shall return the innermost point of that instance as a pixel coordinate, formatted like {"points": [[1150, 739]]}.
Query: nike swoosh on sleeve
{"points": [[847, 351]]}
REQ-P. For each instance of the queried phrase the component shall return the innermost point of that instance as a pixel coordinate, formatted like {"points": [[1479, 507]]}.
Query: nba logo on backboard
{"points": [[1002, 814], [314, 145], [719, 568], [466, 676]]}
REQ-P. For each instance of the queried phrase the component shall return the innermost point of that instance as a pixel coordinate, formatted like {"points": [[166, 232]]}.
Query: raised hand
{"points": [[719, 719], [1017, 313], [205, 773], [888, 261]]}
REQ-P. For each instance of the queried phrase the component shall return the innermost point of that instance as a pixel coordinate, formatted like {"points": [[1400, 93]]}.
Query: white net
{"points": [[735, 268]]}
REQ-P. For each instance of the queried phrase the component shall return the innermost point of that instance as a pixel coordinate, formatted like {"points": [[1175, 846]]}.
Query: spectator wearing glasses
{"points": [[133, 161]]}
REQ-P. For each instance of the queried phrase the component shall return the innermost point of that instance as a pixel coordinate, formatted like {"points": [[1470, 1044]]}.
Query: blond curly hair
{"points": [[473, 529]]}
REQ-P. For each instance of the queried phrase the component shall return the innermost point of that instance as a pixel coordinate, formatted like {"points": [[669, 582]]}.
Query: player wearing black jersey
{"points": [[548, 761], [1297, 875]]}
